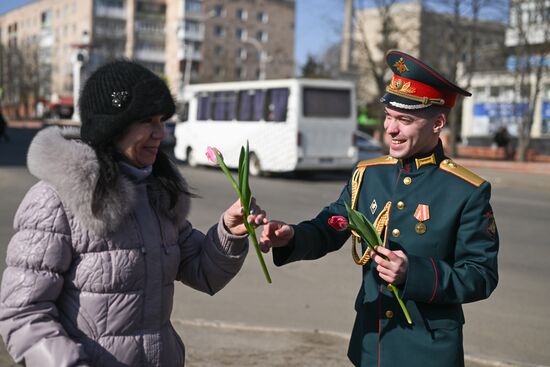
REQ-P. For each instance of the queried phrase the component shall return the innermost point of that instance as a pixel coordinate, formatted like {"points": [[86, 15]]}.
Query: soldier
{"points": [[436, 223]]}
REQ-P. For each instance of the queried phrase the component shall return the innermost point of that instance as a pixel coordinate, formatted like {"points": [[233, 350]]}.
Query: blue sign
{"points": [[500, 110], [546, 110]]}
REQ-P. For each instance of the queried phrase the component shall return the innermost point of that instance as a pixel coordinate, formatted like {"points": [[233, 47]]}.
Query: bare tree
{"points": [[531, 22], [375, 68], [461, 19]]}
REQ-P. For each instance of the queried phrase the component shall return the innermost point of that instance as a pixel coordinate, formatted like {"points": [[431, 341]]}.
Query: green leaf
{"points": [[240, 168], [356, 221], [244, 183]]}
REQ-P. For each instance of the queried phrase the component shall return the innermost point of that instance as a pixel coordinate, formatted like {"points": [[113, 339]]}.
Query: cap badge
{"points": [[400, 65], [397, 85], [118, 98]]}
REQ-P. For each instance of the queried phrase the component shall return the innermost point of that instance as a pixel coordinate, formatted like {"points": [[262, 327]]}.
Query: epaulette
{"points": [[459, 171], [377, 161]]}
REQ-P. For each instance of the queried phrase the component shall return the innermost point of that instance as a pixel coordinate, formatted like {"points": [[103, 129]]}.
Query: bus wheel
{"points": [[254, 167], [191, 160]]}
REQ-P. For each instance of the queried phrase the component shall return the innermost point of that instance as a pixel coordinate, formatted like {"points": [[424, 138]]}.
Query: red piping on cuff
{"points": [[436, 281]]}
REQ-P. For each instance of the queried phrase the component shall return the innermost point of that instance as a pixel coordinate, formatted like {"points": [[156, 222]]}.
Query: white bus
{"points": [[290, 124]]}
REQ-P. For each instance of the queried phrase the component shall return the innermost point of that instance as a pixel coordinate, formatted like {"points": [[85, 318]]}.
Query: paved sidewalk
{"points": [[513, 166], [218, 344]]}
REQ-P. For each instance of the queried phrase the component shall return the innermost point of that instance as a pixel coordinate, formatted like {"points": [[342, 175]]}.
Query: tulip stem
{"points": [[246, 212]]}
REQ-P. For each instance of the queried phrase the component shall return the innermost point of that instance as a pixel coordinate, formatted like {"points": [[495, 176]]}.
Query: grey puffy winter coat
{"points": [[81, 290]]}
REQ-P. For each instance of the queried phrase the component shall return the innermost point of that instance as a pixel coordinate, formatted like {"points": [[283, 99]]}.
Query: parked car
{"points": [[367, 146], [169, 142]]}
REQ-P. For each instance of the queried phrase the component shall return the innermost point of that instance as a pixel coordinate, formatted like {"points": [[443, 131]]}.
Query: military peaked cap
{"points": [[415, 85]]}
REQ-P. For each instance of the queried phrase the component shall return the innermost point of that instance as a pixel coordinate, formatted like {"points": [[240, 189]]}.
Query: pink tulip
{"points": [[338, 222], [211, 154]]}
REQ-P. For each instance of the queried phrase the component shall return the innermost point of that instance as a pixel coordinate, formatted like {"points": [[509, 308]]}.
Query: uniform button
{"points": [[446, 161], [388, 287], [407, 180], [400, 205], [396, 232], [452, 165], [389, 314]]}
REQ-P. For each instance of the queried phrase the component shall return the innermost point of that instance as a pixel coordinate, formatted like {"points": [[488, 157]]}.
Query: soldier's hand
{"points": [[275, 234], [394, 269]]}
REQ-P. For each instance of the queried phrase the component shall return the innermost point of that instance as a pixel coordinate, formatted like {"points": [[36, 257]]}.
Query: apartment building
{"points": [[213, 40], [248, 39]]}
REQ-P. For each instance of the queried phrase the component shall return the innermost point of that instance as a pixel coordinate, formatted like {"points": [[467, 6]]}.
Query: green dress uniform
{"points": [[440, 217]]}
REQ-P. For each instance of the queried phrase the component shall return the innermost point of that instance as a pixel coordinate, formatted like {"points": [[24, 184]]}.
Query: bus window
{"points": [[224, 106], [251, 105], [259, 102], [277, 101], [322, 102], [245, 105], [203, 110]]}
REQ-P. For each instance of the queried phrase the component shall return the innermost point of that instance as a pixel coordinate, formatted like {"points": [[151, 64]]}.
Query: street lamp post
{"points": [[264, 58], [79, 58], [188, 48]]}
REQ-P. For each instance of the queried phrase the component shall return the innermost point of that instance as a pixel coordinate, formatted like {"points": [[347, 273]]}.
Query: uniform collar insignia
{"points": [[425, 161]]}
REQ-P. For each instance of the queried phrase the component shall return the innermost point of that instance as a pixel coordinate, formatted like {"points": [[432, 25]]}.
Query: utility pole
{"points": [[345, 52]]}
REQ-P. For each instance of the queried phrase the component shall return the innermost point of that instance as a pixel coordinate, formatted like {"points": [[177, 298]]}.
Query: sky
{"points": [[318, 24]]}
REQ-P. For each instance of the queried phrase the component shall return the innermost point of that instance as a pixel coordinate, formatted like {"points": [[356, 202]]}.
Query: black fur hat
{"points": [[118, 94]]}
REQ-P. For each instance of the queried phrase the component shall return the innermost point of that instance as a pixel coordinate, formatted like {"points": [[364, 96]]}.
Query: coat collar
{"points": [[58, 157]]}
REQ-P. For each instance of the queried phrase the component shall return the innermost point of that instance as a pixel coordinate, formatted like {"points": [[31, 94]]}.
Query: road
{"points": [[512, 325]]}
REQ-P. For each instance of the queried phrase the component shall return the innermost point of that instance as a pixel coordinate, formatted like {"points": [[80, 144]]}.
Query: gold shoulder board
{"points": [[377, 161], [459, 171]]}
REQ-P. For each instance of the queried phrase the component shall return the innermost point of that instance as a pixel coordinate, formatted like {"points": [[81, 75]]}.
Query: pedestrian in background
{"points": [[503, 140], [3, 128], [104, 234], [437, 226]]}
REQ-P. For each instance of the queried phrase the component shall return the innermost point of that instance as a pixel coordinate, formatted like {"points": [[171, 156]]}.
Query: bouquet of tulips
{"points": [[242, 189], [359, 224]]}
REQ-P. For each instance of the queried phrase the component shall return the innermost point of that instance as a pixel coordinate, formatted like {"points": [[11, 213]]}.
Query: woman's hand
{"points": [[233, 217]]}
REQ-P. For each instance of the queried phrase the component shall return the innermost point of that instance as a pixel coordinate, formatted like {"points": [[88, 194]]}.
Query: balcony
{"points": [[110, 12], [150, 55], [195, 55], [196, 35]]}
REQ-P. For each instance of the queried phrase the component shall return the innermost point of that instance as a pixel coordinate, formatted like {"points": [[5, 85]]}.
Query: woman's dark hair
{"points": [[163, 170]]}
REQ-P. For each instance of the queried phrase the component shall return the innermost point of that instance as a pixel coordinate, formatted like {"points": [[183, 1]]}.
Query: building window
{"points": [[219, 11], [218, 71], [241, 53], [240, 73], [219, 31], [242, 14], [262, 17], [218, 50], [261, 36], [241, 34], [46, 19], [193, 6]]}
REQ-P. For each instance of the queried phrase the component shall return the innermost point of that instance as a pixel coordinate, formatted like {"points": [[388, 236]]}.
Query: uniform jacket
{"points": [[453, 262], [85, 290]]}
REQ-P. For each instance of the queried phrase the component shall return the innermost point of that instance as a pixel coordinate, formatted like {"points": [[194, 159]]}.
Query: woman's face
{"points": [[141, 141]]}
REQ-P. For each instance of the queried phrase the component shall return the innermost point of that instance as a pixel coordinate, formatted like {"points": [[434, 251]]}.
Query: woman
{"points": [[103, 235]]}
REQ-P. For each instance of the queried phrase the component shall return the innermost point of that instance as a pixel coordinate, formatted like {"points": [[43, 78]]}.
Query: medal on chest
{"points": [[422, 214]]}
